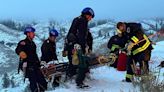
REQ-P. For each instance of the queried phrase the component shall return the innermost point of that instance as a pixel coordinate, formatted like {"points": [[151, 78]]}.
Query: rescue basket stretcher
{"points": [[57, 69]]}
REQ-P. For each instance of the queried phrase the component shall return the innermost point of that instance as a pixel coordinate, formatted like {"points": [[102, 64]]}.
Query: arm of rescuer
{"points": [[89, 41], [82, 34], [71, 36], [110, 42], [20, 50]]}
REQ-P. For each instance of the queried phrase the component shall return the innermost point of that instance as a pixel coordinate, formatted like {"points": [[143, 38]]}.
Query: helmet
{"points": [[29, 29], [134, 27], [88, 11], [53, 32]]}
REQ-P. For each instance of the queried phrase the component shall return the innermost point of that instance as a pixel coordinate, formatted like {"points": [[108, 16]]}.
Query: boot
{"points": [[82, 86]]}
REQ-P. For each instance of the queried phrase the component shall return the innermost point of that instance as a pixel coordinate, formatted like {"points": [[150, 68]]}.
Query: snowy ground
{"points": [[106, 79]]}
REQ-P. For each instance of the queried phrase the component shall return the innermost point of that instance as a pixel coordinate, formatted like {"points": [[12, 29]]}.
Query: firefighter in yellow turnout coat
{"points": [[139, 43]]}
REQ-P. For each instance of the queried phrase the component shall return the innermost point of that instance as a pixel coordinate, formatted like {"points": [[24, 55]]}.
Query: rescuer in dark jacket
{"points": [[48, 48], [29, 61], [117, 42]]}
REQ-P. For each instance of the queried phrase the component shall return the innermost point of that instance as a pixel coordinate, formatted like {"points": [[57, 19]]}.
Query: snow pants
{"points": [[133, 60], [81, 75], [71, 68], [37, 81]]}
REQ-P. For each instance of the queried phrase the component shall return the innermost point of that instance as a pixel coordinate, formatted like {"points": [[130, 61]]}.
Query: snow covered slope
{"points": [[106, 79]]}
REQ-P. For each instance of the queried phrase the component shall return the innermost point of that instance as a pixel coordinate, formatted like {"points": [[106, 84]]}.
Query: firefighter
{"points": [[139, 43], [117, 42], [26, 50]]}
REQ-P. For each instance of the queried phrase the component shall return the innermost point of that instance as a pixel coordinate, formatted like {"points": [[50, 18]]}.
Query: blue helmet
{"points": [[53, 32], [29, 29], [88, 11]]}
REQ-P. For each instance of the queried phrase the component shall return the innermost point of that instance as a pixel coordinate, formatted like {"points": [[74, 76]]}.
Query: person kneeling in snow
{"points": [[117, 42]]}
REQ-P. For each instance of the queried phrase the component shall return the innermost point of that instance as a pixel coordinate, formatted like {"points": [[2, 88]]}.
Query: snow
{"points": [[108, 79], [96, 29], [2, 58], [18, 80], [158, 53], [98, 42], [105, 79]]}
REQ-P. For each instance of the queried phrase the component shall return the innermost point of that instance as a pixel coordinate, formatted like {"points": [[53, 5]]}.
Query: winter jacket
{"points": [[89, 40], [115, 43], [48, 50], [29, 48], [142, 42], [78, 32]]}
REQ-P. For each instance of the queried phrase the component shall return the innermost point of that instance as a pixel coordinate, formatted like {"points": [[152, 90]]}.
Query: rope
{"points": [[148, 37], [99, 60], [103, 59]]}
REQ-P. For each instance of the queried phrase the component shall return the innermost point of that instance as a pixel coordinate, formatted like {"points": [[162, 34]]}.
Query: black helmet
{"points": [[88, 11]]}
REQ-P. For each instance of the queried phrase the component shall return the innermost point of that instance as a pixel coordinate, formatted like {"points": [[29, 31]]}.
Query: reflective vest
{"points": [[130, 76], [144, 47], [114, 46]]}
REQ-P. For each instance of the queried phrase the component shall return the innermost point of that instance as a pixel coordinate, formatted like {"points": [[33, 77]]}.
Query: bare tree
{"points": [[9, 23], [159, 24], [5, 81], [12, 82], [53, 23]]}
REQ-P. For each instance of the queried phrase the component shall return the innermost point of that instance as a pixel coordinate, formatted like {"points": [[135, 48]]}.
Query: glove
{"points": [[23, 55], [130, 46], [113, 57]]}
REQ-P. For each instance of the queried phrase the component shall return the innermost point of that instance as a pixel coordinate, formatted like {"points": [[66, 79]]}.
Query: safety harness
{"points": [[144, 47]]}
